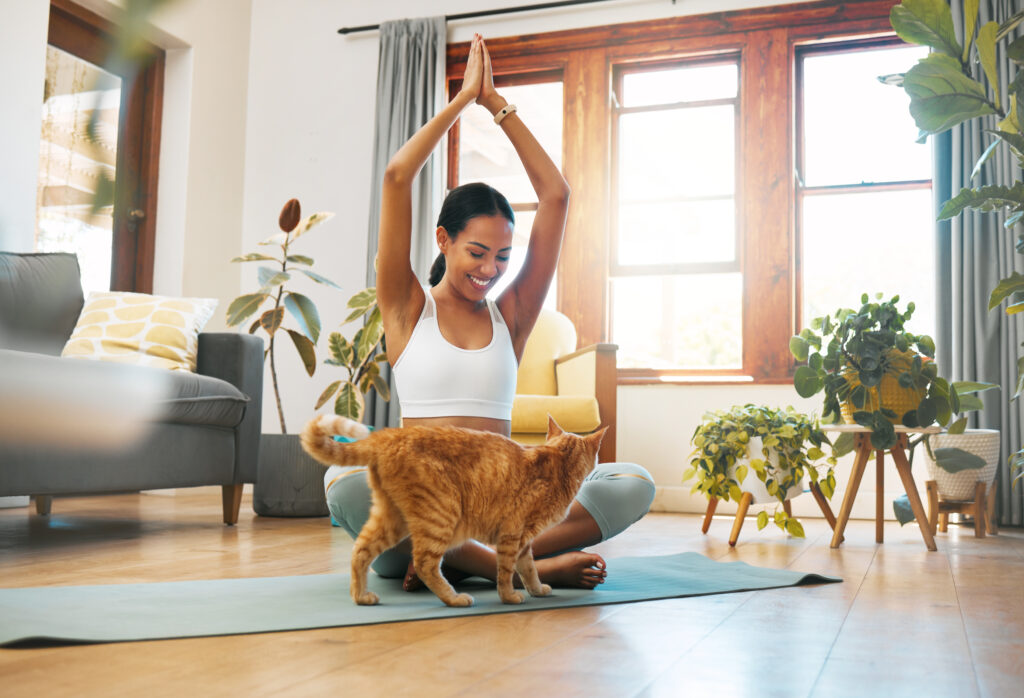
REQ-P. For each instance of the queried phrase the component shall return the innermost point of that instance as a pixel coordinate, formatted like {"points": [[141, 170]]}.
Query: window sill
{"points": [[655, 378]]}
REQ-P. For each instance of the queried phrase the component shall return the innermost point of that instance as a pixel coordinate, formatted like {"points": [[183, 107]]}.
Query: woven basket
{"points": [[983, 443], [894, 397]]}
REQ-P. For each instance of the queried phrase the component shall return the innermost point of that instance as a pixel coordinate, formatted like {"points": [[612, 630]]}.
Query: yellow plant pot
{"points": [[894, 397]]}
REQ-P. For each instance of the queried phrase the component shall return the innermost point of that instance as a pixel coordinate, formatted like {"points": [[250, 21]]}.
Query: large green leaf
{"points": [[1015, 51], [953, 460], [327, 394], [989, 198], [271, 320], [798, 347], [244, 306], [972, 387], [256, 257], [1011, 284], [305, 313], [986, 45], [340, 348], [306, 351], [320, 279], [269, 278], [301, 259], [927, 22], [308, 222], [984, 157], [806, 381], [361, 303], [941, 96], [970, 21], [1009, 25], [348, 404], [369, 336]]}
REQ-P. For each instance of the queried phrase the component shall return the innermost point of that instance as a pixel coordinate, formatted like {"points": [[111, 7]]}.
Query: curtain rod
{"points": [[486, 13]]}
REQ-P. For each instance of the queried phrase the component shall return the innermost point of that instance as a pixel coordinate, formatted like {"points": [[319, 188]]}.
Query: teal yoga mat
{"points": [[120, 612]]}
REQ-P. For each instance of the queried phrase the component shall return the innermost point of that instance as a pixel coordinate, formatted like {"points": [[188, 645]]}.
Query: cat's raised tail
{"points": [[318, 441]]}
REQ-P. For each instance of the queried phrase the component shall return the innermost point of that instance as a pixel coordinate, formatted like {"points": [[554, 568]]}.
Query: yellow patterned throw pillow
{"points": [[137, 328]]}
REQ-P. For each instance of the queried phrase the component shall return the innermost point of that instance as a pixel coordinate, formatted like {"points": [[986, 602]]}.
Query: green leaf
{"points": [[254, 326], [327, 394], [969, 403], [844, 443], [988, 198], [305, 313], [306, 351], [970, 22], [902, 510], [941, 96], [927, 22], [319, 279], [244, 306], [986, 44], [382, 388], [972, 387], [269, 278], [927, 410], [958, 426], [794, 528], [1009, 25], [1015, 51], [275, 239], [762, 520], [798, 348], [256, 257], [369, 336], [1010, 285], [340, 348], [741, 473], [984, 157], [953, 460], [361, 303], [347, 404], [806, 381], [271, 320], [308, 222], [300, 259]]}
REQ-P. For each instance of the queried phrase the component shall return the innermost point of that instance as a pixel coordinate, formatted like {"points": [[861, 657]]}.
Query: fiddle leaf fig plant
{"points": [[283, 302], [721, 460], [361, 357]]}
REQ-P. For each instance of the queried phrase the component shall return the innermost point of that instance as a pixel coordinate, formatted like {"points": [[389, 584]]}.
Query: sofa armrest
{"points": [[238, 359], [592, 371]]}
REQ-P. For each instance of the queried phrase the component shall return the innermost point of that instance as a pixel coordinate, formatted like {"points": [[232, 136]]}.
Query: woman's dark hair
{"points": [[462, 204]]}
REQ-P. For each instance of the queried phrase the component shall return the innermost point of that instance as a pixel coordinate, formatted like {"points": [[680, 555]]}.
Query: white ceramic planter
{"points": [[752, 483], [983, 443]]}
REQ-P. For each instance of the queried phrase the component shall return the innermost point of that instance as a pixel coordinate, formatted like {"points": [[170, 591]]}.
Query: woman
{"points": [[454, 353]]}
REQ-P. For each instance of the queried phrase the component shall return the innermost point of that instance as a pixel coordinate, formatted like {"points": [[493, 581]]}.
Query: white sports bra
{"points": [[434, 378]]}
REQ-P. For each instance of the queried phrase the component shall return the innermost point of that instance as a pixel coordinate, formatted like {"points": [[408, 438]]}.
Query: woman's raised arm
{"points": [[397, 287], [521, 302]]}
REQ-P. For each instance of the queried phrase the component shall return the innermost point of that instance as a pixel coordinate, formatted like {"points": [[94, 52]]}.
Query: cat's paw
{"points": [[514, 597], [542, 590], [367, 599], [462, 600]]}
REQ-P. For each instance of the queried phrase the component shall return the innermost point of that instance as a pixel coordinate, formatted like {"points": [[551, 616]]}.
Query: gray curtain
{"points": [[410, 90], [974, 252]]}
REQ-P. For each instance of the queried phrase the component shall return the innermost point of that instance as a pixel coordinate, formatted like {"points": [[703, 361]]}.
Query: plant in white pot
{"points": [[780, 446]]}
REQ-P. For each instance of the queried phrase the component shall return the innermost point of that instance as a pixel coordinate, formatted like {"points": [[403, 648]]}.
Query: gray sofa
{"points": [[203, 429]]}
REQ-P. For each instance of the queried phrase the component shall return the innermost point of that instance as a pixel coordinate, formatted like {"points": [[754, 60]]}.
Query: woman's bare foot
{"points": [[574, 569], [412, 581]]}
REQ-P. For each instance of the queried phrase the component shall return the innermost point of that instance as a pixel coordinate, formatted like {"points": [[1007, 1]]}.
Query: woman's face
{"points": [[478, 256]]}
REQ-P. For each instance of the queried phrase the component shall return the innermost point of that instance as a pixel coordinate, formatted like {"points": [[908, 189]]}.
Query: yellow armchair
{"points": [[576, 387]]}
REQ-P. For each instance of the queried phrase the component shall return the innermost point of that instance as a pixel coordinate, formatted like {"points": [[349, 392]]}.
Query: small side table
{"points": [[862, 436]]}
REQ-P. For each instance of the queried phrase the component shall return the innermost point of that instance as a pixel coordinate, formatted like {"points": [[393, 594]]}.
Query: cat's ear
{"points": [[553, 428], [594, 440]]}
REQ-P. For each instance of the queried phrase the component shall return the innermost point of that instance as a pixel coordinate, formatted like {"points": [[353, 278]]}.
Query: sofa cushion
{"points": [[141, 329], [198, 399], [576, 414], [40, 300]]}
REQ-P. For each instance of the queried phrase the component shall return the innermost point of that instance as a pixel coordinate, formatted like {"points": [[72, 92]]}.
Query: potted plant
{"points": [[288, 481], [778, 445], [872, 371], [960, 81], [361, 357]]}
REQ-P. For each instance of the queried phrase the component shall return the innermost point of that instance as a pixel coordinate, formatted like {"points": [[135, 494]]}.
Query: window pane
{"points": [[677, 153], [521, 238], [670, 322], [868, 243], [680, 232], [690, 84], [855, 128], [70, 163], [485, 153]]}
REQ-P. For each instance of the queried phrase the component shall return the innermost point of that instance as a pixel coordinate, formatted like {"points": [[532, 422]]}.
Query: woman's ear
{"points": [[442, 239]]}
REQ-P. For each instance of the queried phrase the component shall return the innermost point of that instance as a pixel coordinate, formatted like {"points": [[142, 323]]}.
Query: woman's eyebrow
{"points": [[485, 247]]}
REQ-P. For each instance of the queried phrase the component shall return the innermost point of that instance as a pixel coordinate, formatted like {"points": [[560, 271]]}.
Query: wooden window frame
{"points": [[766, 40], [85, 34]]}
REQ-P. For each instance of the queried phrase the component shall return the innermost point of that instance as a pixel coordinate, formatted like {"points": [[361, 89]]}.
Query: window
{"points": [[486, 155], [100, 143], [863, 183], [710, 190]]}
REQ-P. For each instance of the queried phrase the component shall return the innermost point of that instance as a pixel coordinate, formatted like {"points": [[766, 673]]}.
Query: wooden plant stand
{"points": [[982, 508]]}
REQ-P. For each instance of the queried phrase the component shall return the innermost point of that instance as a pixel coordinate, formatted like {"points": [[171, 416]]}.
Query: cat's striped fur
{"points": [[444, 485]]}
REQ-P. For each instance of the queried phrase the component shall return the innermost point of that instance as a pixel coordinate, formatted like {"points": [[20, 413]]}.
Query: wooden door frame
{"points": [[86, 35]]}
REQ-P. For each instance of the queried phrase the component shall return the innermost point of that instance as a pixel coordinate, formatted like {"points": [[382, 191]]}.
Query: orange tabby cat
{"points": [[444, 485]]}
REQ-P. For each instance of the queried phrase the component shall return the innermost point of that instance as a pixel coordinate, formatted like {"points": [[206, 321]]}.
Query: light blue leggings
{"points": [[617, 495]]}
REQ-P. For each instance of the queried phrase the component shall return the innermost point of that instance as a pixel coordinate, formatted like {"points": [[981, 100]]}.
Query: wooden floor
{"points": [[905, 622]]}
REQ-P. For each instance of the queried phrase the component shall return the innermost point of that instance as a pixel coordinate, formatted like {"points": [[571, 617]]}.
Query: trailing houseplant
{"points": [[790, 443], [959, 81], [361, 357], [272, 289]]}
